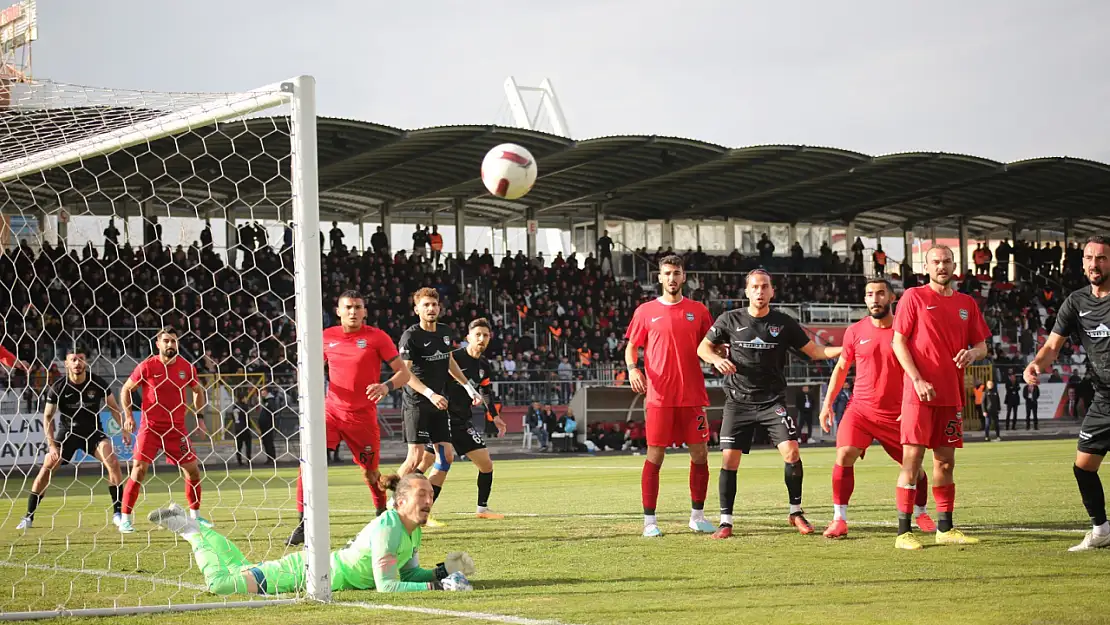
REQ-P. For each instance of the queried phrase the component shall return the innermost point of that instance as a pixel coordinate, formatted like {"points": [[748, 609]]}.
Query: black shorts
{"points": [[424, 423], [1094, 434], [464, 438], [71, 443], [740, 422]]}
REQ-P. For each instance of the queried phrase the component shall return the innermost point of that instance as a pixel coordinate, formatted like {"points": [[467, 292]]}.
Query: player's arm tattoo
{"points": [[48, 424], [631, 355], [414, 382], [979, 352]]}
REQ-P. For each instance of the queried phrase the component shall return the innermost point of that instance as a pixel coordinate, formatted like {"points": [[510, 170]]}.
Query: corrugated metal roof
{"points": [[243, 165]]}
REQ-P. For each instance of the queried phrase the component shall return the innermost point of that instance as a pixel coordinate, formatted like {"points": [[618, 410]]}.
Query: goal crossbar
{"points": [[229, 106]]}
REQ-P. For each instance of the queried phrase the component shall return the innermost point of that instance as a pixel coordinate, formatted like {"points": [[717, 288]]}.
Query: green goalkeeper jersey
{"points": [[382, 556]]}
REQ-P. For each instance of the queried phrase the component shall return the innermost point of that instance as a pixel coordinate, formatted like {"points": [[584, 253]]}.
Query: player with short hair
{"points": [[163, 377], [875, 407], [937, 332], [464, 438], [354, 352], [669, 329], [757, 340], [77, 399], [383, 556], [1086, 313], [426, 347]]}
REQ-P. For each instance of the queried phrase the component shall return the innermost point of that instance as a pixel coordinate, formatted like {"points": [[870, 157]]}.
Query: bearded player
{"points": [[164, 379], [1086, 313], [464, 438], [758, 340], [937, 333], [876, 404], [669, 329], [354, 353]]}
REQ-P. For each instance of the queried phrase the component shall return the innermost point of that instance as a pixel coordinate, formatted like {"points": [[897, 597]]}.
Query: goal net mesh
{"points": [[124, 212]]}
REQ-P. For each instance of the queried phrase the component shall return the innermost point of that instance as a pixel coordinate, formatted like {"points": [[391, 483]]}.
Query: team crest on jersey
{"points": [[181, 374], [689, 316], [446, 340], [361, 343], [963, 314], [774, 330], [780, 410]]}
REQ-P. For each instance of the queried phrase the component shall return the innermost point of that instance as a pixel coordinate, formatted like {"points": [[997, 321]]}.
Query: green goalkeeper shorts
{"points": [[284, 575]]}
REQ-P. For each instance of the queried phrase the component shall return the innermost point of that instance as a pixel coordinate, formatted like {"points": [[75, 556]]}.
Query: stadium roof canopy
{"points": [[363, 166]]}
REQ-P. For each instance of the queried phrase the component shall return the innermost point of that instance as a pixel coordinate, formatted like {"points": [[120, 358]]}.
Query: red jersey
{"points": [[878, 386], [354, 362], [937, 328], [163, 387], [670, 334], [7, 358]]}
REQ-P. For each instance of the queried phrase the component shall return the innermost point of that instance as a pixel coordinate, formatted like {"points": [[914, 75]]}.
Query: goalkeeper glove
{"points": [[456, 582], [456, 561]]}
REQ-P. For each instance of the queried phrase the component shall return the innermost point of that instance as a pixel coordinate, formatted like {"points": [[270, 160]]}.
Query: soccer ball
{"points": [[509, 171]]}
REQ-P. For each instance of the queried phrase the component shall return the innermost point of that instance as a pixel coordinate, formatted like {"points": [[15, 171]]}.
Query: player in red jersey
{"points": [[937, 332], [354, 353], [163, 379], [10, 361], [669, 329], [876, 404]]}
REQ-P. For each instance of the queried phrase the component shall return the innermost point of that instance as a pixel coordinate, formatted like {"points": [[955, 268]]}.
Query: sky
{"points": [[1001, 79]]}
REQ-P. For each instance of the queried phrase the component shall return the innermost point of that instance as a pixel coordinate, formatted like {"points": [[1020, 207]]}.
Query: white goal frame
{"points": [[299, 93]]}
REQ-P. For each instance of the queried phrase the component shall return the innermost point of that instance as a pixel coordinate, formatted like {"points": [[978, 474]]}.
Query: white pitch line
{"points": [[738, 518], [102, 573], [476, 616]]}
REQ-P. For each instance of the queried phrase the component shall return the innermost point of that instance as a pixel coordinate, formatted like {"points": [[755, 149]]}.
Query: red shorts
{"points": [[859, 427], [359, 430], [676, 425], [172, 440], [932, 426]]}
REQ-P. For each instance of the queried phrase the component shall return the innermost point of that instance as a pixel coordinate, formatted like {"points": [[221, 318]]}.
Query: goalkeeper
{"points": [[382, 556]]}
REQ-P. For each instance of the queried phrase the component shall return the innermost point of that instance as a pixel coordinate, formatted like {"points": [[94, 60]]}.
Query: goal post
{"points": [[153, 170]]}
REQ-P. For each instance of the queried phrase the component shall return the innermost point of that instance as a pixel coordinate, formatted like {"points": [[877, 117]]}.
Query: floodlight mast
{"points": [[549, 102]]}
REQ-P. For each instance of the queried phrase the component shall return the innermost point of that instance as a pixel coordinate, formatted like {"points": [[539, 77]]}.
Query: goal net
{"points": [[125, 212]]}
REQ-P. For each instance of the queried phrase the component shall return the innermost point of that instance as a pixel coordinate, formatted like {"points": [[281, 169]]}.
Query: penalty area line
{"points": [[474, 616], [102, 573]]}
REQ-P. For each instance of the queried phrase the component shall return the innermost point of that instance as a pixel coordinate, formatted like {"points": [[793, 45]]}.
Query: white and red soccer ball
{"points": [[509, 171]]}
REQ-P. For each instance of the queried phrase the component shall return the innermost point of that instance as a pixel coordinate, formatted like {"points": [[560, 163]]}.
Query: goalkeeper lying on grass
{"points": [[382, 556]]}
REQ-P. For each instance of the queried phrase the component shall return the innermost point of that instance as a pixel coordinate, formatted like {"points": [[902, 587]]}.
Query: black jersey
{"points": [[476, 370], [1087, 317], [758, 347], [79, 405], [430, 353]]}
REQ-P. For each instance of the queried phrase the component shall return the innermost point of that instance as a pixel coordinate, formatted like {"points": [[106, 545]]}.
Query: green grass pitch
{"points": [[571, 551]]}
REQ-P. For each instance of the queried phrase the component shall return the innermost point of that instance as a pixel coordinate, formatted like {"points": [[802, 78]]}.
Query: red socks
{"points": [[192, 494], [376, 494], [922, 490], [945, 496], [649, 486], [843, 483], [130, 496], [300, 494], [699, 484], [905, 498]]}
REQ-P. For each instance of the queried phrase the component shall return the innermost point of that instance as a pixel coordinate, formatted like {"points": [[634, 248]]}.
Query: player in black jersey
{"points": [[77, 400], [426, 348], [466, 440], [1086, 314], [749, 346]]}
